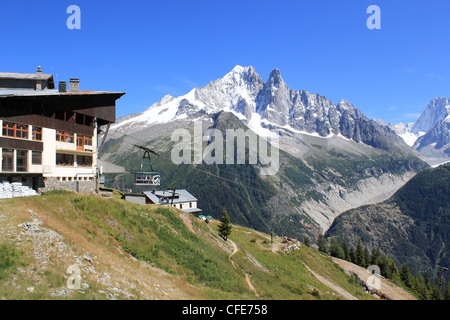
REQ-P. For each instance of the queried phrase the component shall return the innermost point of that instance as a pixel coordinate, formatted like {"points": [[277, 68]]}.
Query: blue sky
{"points": [[152, 48]]}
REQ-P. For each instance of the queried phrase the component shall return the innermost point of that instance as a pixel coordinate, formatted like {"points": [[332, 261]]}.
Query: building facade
{"points": [[49, 137]]}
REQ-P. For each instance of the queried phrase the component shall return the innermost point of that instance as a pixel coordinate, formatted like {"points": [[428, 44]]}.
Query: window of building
{"points": [[88, 141], [21, 131], [60, 136], [8, 160], [83, 141], [64, 159], [36, 133], [65, 136], [22, 161], [36, 157], [15, 130], [8, 129], [84, 161], [80, 142]]}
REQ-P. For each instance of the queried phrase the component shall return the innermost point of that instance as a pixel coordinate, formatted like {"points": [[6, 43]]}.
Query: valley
{"points": [[331, 157]]}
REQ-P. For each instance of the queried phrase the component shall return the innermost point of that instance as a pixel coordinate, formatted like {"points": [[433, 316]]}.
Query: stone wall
{"points": [[52, 183]]}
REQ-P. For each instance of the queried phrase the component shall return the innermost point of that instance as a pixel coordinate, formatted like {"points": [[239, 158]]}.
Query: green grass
{"points": [[288, 278], [11, 258], [158, 236]]}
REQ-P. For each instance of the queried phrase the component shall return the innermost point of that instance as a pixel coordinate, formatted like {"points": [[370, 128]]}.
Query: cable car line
{"points": [[123, 135]]}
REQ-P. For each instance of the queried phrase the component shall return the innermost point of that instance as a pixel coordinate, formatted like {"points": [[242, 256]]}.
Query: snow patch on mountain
{"points": [[263, 106], [404, 130]]}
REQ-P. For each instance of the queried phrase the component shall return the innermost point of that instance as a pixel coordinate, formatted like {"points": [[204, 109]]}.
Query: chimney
{"points": [[74, 84], [38, 77], [62, 86]]}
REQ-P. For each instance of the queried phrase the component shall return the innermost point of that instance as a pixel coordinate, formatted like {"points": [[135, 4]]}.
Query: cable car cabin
{"points": [[144, 177], [147, 179]]}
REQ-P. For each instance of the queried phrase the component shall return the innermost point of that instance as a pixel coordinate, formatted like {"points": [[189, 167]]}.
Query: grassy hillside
{"points": [[128, 251]]}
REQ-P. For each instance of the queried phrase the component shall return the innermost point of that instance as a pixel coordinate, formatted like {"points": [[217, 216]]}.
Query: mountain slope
{"points": [[413, 225], [332, 157], [128, 251], [430, 134]]}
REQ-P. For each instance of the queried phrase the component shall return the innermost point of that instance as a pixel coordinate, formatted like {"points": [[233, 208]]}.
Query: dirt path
{"points": [[235, 250], [387, 290], [247, 277], [331, 285], [187, 221], [250, 285]]}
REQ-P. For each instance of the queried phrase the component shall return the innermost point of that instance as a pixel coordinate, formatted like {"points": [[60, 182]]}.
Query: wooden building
{"points": [[49, 137]]}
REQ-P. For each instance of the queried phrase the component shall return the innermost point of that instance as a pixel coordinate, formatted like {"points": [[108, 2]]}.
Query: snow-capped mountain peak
{"points": [[430, 134], [260, 105], [438, 109]]}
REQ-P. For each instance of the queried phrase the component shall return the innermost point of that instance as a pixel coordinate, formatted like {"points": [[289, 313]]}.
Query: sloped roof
{"points": [[24, 76], [181, 195], [192, 210], [51, 92]]}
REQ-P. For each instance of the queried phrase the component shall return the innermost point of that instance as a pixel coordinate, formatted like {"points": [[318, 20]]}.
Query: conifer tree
{"points": [[366, 261], [421, 289], [225, 226], [352, 255], [359, 254], [376, 256], [405, 275], [427, 280], [346, 250], [393, 270], [306, 241], [384, 267], [435, 293], [322, 243], [335, 248]]}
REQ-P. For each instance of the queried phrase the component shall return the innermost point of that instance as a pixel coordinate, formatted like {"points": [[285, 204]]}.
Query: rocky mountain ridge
{"points": [[262, 106], [332, 157], [430, 134]]}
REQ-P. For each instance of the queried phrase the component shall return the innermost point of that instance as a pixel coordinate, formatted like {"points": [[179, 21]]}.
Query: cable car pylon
{"points": [[146, 176]]}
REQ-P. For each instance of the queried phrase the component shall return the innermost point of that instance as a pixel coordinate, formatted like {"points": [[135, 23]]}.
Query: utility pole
{"points": [[173, 195], [271, 232], [271, 235], [441, 280]]}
